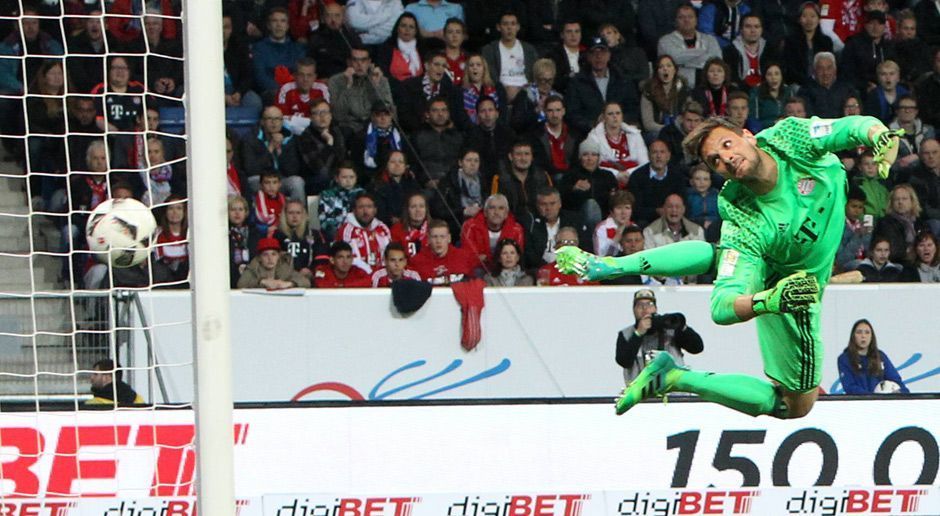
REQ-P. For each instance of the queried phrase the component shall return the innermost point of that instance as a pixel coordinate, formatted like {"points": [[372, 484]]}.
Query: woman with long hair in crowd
{"points": [[242, 238], [45, 110], [411, 230], [508, 272], [306, 246], [622, 148], [802, 45], [901, 222], [713, 91], [477, 83], [171, 247], [400, 56], [392, 186], [925, 264], [662, 95], [766, 103], [863, 367]]}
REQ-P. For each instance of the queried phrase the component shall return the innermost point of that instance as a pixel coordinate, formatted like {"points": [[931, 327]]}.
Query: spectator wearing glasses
{"points": [[318, 150], [916, 131], [528, 109], [549, 276]]}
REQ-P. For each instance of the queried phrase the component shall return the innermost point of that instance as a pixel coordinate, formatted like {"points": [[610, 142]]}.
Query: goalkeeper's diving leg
{"points": [[790, 348], [687, 258]]}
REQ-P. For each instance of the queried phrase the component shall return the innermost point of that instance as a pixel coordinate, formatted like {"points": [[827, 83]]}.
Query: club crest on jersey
{"points": [[820, 129], [806, 185]]}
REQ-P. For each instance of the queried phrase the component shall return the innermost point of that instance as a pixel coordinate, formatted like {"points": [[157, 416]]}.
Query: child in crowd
{"points": [[702, 198], [877, 267], [866, 178], [882, 102], [337, 200], [271, 269], [269, 203], [856, 237]]}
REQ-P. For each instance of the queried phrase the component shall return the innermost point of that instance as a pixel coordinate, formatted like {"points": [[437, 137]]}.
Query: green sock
{"points": [[743, 393], [687, 258]]}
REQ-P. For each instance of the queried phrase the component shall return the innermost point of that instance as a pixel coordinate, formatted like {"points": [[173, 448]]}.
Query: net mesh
{"points": [[84, 86]]}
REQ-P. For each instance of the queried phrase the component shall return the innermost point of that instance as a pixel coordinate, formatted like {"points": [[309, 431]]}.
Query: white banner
{"points": [[917, 500], [537, 342], [467, 449]]}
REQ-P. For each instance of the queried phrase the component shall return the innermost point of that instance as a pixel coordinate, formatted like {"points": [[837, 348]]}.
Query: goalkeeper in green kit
{"points": [[783, 211]]}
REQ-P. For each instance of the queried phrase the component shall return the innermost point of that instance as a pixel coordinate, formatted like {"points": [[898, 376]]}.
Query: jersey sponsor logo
{"points": [[729, 260], [806, 185], [820, 129]]}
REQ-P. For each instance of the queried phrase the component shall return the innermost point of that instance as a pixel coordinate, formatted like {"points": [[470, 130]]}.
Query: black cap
{"points": [[409, 295], [878, 16], [598, 42], [380, 106]]}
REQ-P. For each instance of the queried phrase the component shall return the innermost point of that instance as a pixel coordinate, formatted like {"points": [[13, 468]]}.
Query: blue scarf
{"points": [[372, 142]]}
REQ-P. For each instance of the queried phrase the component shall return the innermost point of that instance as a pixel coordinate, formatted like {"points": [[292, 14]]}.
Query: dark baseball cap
{"points": [[878, 16], [380, 106], [598, 42]]}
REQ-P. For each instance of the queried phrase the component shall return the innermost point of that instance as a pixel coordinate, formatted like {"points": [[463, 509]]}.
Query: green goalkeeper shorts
{"points": [[792, 349], [790, 346]]}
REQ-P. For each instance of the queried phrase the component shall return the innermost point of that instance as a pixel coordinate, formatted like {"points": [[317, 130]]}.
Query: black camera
{"points": [[667, 321]]}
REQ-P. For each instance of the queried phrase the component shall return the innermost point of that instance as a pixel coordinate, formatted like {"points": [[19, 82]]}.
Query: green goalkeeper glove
{"points": [[886, 150], [795, 293]]}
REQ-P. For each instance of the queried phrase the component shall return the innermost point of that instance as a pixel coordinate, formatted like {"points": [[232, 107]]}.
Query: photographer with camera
{"points": [[652, 332]]}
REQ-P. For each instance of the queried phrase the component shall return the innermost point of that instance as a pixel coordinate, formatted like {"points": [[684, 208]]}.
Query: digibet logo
{"points": [[857, 501], [521, 505], [688, 502], [400, 506], [158, 507], [44, 508]]}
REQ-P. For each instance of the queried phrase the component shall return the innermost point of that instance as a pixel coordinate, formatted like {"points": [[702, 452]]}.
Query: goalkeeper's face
{"points": [[731, 155]]}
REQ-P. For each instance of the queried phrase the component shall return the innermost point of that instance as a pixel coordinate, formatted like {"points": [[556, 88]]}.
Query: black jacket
{"points": [[860, 57], [309, 156], [650, 193], [125, 394], [390, 196], [536, 237], [493, 146], [330, 49], [603, 183], [542, 151], [521, 195], [686, 339], [585, 102], [799, 63], [412, 104]]}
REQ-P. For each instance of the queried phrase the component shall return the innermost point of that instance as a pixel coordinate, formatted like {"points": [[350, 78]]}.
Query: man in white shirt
{"points": [[509, 58]]}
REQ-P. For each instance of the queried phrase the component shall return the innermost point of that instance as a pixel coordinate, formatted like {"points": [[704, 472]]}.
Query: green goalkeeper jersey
{"points": [[798, 225]]}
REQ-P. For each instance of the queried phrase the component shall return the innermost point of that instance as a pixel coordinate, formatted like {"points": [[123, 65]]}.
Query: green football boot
{"points": [[655, 380]]}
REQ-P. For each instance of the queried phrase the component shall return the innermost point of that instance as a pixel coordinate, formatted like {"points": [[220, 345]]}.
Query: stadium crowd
{"points": [[445, 140]]}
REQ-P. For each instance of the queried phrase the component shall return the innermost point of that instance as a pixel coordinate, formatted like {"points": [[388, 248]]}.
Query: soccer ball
{"points": [[119, 231], [887, 387]]}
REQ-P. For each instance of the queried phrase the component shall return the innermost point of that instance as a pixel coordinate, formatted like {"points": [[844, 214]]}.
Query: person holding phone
{"points": [[856, 237]]}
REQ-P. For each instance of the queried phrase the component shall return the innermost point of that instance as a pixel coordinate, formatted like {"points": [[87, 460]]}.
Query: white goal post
{"points": [[205, 128]]}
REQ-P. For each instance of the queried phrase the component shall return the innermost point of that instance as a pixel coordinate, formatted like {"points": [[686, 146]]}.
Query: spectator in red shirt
{"points": [[367, 235], [396, 267], [294, 98], [411, 231], [440, 263], [481, 233], [269, 203], [549, 276], [340, 272]]}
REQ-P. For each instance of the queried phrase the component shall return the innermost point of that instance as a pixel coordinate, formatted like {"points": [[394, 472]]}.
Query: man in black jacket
{"points": [[412, 95], [596, 85], [653, 333], [586, 188], [541, 234], [108, 388]]}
